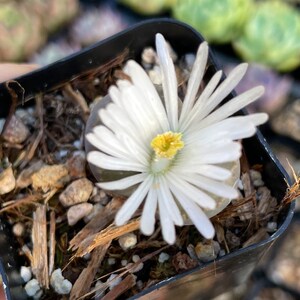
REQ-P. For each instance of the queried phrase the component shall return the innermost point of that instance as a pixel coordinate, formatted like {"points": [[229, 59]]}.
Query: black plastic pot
{"points": [[211, 279]]}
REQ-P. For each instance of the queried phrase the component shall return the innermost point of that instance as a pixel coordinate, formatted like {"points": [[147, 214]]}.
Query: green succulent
{"points": [[149, 7], [272, 36], [220, 21]]}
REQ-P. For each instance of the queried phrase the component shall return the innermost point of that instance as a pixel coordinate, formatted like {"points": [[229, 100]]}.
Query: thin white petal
{"points": [[169, 81], [133, 202], [125, 131], [229, 152], [233, 105], [136, 107], [211, 171], [195, 80], [148, 216], [195, 213], [104, 140], [165, 196], [196, 111], [226, 87], [104, 161], [123, 183], [167, 225], [215, 187], [142, 81], [191, 192]]}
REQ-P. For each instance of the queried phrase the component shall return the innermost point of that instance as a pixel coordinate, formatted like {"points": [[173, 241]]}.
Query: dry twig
{"points": [[40, 254], [84, 281], [107, 235]]}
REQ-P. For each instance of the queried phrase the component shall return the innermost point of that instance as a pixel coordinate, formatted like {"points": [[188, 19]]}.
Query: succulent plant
{"points": [[218, 21], [20, 34], [149, 7], [272, 36]]}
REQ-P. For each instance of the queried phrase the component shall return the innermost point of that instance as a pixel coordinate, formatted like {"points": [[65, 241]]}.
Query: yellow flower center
{"points": [[167, 144]]}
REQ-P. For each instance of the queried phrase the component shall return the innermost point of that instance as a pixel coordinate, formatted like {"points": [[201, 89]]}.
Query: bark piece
{"points": [[39, 253]]}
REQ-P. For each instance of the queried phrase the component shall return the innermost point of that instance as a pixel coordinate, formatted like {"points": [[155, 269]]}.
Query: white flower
{"points": [[178, 156]]}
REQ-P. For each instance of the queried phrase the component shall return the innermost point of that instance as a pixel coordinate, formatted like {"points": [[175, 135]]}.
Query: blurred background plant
{"points": [[25, 25]]}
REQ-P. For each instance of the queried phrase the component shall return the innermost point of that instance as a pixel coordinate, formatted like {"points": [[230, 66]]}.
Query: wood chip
{"points": [[84, 281], [107, 235], [100, 221], [39, 264], [264, 196], [128, 282], [52, 242]]}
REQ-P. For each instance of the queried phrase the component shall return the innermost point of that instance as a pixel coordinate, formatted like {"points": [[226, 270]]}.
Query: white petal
{"points": [[233, 105], [136, 106], [217, 155], [191, 192], [148, 215], [123, 183], [125, 131], [197, 110], [211, 171], [195, 80], [104, 161], [195, 213], [226, 87], [169, 81], [115, 94], [133, 202], [104, 140], [142, 81], [165, 196], [167, 225], [215, 187]]}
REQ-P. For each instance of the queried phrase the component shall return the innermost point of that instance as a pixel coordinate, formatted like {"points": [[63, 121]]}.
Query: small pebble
{"points": [[240, 184], [256, 178], [155, 75], [77, 192], [77, 144], [76, 165], [25, 116], [61, 285], [49, 177], [149, 56], [7, 180], [87, 256], [32, 287], [16, 131], [24, 179], [222, 252], [124, 262], [163, 257], [271, 226], [111, 261], [189, 60], [18, 229], [25, 273], [95, 210], [128, 241], [139, 267], [140, 285], [207, 251], [77, 212], [113, 281]]}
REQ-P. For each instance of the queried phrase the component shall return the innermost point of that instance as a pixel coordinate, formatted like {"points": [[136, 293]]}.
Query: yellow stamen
{"points": [[167, 144]]}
